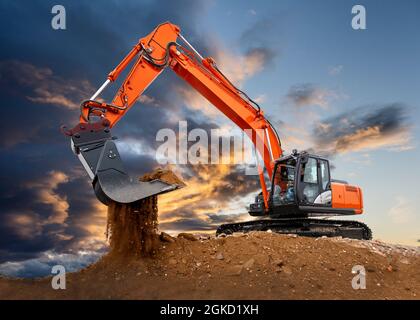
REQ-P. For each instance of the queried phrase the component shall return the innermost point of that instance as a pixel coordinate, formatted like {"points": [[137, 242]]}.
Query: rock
{"points": [[187, 236], [370, 269], [279, 262], [238, 234], [248, 265], [235, 270], [287, 270], [221, 235], [220, 256], [166, 237]]}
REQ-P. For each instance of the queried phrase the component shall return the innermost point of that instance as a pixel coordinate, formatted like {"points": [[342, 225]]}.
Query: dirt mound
{"points": [[259, 265], [165, 175]]}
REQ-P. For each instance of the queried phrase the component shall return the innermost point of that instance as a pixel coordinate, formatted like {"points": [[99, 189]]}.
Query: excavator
{"points": [[302, 196]]}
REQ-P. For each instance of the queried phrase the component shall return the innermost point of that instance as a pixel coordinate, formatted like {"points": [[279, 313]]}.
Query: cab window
{"points": [[311, 173], [310, 186], [325, 174]]}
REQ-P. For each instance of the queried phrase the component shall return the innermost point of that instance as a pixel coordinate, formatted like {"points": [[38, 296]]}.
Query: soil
{"points": [[165, 175], [258, 265]]}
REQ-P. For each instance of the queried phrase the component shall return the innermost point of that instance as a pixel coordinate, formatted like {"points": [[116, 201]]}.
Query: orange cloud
{"points": [[26, 225], [365, 129], [220, 190], [46, 191], [372, 138]]}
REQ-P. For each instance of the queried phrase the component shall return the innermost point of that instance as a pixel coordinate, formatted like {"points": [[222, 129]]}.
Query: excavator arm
{"points": [[91, 139]]}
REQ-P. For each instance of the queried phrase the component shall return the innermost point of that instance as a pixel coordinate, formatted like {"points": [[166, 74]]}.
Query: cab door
{"points": [[314, 182], [325, 193]]}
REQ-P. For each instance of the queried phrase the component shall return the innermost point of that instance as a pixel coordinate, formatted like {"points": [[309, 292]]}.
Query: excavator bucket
{"points": [[100, 157]]}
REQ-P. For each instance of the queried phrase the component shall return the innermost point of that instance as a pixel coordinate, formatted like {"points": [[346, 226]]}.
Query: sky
{"points": [[352, 95]]}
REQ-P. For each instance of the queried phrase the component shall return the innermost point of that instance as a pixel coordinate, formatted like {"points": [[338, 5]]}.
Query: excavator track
{"points": [[303, 227]]}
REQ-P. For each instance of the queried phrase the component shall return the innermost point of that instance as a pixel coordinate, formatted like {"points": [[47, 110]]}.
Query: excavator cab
{"points": [[301, 186]]}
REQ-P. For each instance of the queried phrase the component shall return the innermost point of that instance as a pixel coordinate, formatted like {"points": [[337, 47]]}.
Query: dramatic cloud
{"points": [[307, 94], [26, 225], [46, 194], [214, 194], [365, 128], [41, 86], [38, 102]]}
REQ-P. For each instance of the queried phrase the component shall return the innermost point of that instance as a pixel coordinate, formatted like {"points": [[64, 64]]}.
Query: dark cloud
{"points": [[98, 33], [363, 129], [256, 39], [264, 54], [38, 101], [307, 94], [258, 34], [41, 86]]}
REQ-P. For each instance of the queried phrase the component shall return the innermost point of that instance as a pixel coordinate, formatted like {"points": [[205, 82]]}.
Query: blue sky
{"points": [[350, 94]]}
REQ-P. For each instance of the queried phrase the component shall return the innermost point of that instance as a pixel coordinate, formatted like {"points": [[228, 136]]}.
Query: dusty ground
{"points": [[260, 265]]}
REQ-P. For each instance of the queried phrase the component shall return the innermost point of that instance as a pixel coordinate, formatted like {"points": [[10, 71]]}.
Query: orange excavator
{"points": [[301, 185]]}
